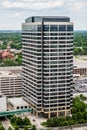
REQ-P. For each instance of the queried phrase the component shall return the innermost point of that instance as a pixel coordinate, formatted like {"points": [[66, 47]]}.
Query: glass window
{"points": [[53, 28], [69, 27], [46, 42], [46, 27], [39, 27], [62, 38], [33, 28], [62, 28], [46, 34], [53, 38], [53, 42], [53, 54], [53, 34], [62, 42], [46, 38]]}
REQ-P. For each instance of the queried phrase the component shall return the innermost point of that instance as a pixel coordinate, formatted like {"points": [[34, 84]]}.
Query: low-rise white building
{"points": [[10, 83], [3, 104], [17, 103], [80, 66]]}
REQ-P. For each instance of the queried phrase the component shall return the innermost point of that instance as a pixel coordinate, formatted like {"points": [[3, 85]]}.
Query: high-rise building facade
{"points": [[47, 45]]}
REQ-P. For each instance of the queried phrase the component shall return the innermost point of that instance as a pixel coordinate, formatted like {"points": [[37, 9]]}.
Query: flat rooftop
{"points": [[18, 101], [11, 68], [8, 74], [79, 63]]}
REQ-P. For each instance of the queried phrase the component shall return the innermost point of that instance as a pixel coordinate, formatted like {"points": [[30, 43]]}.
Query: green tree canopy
{"points": [[10, 128]]}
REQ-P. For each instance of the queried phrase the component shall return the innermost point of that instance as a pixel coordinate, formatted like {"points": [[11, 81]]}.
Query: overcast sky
{"points": [[14, 12]]}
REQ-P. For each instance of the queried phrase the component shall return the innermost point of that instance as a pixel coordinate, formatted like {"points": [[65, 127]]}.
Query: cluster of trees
{"points": [[15, 39], [17, 61], [15, 43], [18, 122], [79, 114], [80, 43], [1, 126], [78, 104]]}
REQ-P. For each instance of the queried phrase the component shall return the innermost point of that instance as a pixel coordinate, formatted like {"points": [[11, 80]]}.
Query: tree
{"points": [[16, 128], [71, 122], [68, 118], [85, 50], [82, 97], [26, 121], [85, 115], [65, 123], [10, 128], [79, 115], [50, 122], [74, 110], [77, 51], [8, 62], [18, 61], [78, 105], [25, 128], [19, 121], [81, 121], [2, 128], [34, 127], [13, 119], [74, 116]]}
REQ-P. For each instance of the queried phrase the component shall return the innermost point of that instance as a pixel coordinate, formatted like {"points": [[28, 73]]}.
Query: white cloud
{"points": [[17, 15], [32, 4], [77, 6], [13, 9], [9, 4]]}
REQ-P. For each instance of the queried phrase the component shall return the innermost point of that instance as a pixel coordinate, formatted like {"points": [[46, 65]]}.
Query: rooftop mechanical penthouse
{"points": [[47, 44]]}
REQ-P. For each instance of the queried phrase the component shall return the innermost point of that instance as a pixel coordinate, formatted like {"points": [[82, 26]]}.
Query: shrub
{"points": [[10, 128], [26, 121]]}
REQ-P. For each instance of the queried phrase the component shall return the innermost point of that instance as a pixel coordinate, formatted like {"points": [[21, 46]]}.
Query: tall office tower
{"points": [[48, 64]]}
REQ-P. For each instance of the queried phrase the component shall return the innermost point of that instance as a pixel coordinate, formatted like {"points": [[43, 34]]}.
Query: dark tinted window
{"points": [[39, 28], [46, 27], [62, 28], [69, 28], [53, 28]]}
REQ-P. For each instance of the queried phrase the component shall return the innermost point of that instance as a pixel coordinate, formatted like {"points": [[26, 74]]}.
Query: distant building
{"points": [[10, 83], [3, 104], [81, 71], [8, 47], [12, 69], [80, 67], [80, 85], [47, 48], [6, 54], [15, 51], [1, 42]]}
